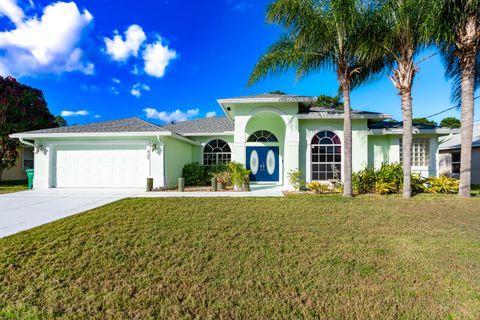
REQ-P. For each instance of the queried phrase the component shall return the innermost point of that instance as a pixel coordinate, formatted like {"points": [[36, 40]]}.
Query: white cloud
{"points": [[120, 49], [11, 10], [66, 113], [115, 80], [114, 90], [135, 70], [157, 57], [97, 116], [211, 114], [90, 87], [138, 88], [175, 116], [49, 44]]}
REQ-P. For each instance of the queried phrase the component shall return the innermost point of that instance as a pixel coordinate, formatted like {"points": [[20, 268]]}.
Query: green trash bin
{"points": [[30, 178]]}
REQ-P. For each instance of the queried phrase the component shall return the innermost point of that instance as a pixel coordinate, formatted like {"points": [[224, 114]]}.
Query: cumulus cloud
{"points": [[121, 48], [11, 10], [67, 113], [175, 116], [157, 57], [46, 44], [114, 90], [211, 114], [115, 80], [97, 116], [138, 88]]}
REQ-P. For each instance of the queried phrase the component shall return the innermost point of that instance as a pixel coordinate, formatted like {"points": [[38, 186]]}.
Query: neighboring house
{"points": [[271, 134], [450, 155], [24, 162]]}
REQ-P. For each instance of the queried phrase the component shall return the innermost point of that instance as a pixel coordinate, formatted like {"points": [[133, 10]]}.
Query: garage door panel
{"points": [[102, 166]]}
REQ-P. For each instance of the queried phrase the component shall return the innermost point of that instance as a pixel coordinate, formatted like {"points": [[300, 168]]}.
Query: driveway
{"points": [[28, 209]]}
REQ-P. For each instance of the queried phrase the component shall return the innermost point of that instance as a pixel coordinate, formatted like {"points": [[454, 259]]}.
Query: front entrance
{"points": [[263, 162]]}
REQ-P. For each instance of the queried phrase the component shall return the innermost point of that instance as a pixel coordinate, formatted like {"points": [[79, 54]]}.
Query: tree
{"points": [[451, 122], [455, 25], [329, 102], [321, 35], [22, 108], [399, 36], [423, 121], [60, 121]]}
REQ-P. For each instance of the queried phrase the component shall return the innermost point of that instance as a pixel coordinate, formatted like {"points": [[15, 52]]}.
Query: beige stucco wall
{"points": [[17, 172]]}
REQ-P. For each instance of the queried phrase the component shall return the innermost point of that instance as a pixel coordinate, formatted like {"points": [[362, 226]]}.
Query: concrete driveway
{"points": [[28, 209]]}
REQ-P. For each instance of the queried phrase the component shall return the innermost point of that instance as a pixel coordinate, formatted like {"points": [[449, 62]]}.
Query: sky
{"points": [[168, 60]]}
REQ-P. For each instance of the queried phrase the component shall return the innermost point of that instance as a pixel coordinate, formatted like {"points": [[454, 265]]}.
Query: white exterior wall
{"points": [[45, 166]]}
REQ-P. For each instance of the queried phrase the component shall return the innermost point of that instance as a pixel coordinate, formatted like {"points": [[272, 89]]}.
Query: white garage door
{"points": [[102, 166]]}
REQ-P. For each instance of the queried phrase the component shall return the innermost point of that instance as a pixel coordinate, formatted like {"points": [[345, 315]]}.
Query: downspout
{"points": [[28, 143]]}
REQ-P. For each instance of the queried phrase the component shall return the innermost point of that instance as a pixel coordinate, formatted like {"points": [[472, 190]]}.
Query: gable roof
{"points": [[122, 125], [219, 124], [456, 140]]}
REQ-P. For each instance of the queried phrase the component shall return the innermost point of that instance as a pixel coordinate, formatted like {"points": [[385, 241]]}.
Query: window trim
{"points": [[218, 155], [334, 145], [32, 158], [254, 137]]}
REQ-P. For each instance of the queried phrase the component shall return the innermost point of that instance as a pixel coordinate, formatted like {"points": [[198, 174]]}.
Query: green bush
{"points": [[217, 168], [294, 177], [320, 187], [237, 173], [442, 184], [195, 174]]}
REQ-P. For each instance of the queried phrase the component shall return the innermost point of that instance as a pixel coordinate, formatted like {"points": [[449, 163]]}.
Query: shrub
{"points": [[386, 180], [319, 187], [237, 173], [364, 181], [224, 178], [294, 177], [195, 174], [217, 168], [442, 184]]}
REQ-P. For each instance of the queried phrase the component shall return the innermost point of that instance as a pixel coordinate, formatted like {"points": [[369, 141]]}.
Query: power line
{"points": [[455, 107]]}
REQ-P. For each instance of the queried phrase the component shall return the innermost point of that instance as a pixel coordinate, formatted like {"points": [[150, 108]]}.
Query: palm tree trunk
{"points": [[468, 79], [407, 139], [347, 141]]}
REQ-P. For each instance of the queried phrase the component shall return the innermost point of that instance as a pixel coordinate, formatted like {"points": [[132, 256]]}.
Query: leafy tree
{"points": [[455, 25], [329, 102], [321, 35], [22, 108], [60, 121], [451, 122], [399, 35], [423, 121], [278, 92]]}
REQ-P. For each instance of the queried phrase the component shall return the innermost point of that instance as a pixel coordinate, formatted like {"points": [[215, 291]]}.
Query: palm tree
{"points": [[455, 25], [399, 36], [321, 35]]}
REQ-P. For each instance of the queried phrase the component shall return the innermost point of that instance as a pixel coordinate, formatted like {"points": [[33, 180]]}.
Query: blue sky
{"points": [[166, 60]]}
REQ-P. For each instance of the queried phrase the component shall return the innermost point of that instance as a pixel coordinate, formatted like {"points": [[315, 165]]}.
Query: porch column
{"points": [[292, 149], [239, 139]]}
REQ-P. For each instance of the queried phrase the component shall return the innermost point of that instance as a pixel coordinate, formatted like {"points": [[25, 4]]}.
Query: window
{"points": [[326, 156], [420, 152], [456, 165], [27, 158], [262, 136], [216, 151]]}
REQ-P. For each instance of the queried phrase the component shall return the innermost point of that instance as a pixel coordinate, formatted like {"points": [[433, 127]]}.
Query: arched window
{"points": [[326, 156], [216, 151], [262, 136]]}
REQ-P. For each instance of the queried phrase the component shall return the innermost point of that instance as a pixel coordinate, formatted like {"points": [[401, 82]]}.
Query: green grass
{"points": [[298, 257], [12, 186]]}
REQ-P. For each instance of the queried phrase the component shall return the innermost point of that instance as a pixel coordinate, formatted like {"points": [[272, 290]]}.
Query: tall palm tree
{"points": [[399, 36], [321, 35], [455, 25]]}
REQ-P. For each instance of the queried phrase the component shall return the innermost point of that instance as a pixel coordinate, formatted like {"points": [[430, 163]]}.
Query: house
{"points": [[271, 134], [449, 155], [24, 162]]}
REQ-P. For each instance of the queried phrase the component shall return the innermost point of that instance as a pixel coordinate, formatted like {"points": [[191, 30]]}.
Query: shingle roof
{"points": [[204, 125], [456, 141], [122, 125], [397, 125], [317, 109]]}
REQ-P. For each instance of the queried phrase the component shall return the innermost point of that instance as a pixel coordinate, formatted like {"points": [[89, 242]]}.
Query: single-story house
{"points": [[24, 162], [270, 134], [449, 155]]}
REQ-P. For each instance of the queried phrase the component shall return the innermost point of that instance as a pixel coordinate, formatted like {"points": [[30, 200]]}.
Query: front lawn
{"points": [[298, 257], [12, 186]]}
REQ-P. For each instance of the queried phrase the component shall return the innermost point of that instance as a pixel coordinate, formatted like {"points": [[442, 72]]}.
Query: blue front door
{"points": [[263, 163]]}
